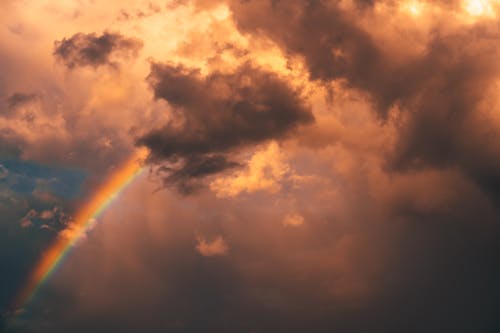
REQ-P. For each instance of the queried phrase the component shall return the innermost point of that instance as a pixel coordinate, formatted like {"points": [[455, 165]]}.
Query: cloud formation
{"points": [[264, 172], [215, 247], [216, 115], [93, 50], [441, 91], [293, 220], [344, 156]]}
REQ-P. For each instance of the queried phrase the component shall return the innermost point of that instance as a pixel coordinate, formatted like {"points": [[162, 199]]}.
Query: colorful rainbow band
{"points": [[83, 220]]}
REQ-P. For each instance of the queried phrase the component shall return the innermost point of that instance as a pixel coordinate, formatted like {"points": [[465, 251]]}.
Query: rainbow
{"points": [[83, 220]]}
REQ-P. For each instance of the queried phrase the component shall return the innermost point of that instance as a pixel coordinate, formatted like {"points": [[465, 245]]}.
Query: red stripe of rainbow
{"points": [[83, 220]]}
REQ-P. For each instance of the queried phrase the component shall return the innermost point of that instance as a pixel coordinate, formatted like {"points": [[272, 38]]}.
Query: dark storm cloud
{"points": [[193, 168], [410, 248], [331, 43], [448, 124], [217, 114], [93, 50], [440, 90]]}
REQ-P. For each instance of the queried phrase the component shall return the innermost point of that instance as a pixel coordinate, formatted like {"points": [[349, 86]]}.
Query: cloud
{"points": [[218, 114], [381, 215], [187, 173], [20, 105], [264, 172], [19, 99], [216, 247], [343, 51], [26, 223], [356, 256], [439, 89], [76, 234], [46, 214], [92, 50], [293, 220]]}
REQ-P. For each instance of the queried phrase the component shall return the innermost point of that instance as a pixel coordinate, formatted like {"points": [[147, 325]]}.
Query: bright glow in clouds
{"points": [[293, 220], [265, 170], [84, 220], [414, 8], [480, 7], [335, 116]]}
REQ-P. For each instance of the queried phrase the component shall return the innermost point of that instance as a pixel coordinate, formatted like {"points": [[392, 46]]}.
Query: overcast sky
{"points": [[313, 166]]}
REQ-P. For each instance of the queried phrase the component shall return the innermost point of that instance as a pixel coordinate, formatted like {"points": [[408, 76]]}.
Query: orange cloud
{"points": [[215, 247], [264, 172], [293, 220]]}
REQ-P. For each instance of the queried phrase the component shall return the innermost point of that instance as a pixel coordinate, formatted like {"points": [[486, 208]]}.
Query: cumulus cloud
{"points": [[215, 247], [77, 233], [46, 214], [93, 50], [53, 219], [26, 220], [358, 142], [441, 88], [216, 115], [264, 172], [293, 220]]}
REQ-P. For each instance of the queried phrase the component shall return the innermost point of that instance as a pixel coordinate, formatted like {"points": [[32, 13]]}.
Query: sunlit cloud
{"points": [[480, 7], [293, 220], [306, 165], [209, 248]]}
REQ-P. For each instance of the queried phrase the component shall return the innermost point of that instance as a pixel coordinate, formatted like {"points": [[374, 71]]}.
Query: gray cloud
{"points": [[93, 50], [350, 267], [403, 242], [18, 99], [440, 90], [218, 114]]}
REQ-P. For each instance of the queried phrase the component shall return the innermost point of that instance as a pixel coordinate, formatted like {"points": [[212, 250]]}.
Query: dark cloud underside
{"points": [[396, 202], [93, 50], [441, 90], [218, 114]]}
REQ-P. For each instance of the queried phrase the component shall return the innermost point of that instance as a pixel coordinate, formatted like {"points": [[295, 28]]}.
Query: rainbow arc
{"points": [[84, 218]]}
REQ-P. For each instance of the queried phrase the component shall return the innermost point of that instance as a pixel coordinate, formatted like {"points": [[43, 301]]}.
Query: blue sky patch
{"points": [[23, 177]]}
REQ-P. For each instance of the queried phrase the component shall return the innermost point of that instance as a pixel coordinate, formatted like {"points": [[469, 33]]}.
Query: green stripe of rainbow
{"points": [[84, 219]]}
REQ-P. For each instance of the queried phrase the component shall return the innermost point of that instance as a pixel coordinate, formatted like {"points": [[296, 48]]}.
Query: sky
{"points": [[307, 165]]}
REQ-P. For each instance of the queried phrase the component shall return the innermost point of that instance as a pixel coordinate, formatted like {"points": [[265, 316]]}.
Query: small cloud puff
{"points": [[76, 232], [293, 220], [216, 247]]}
